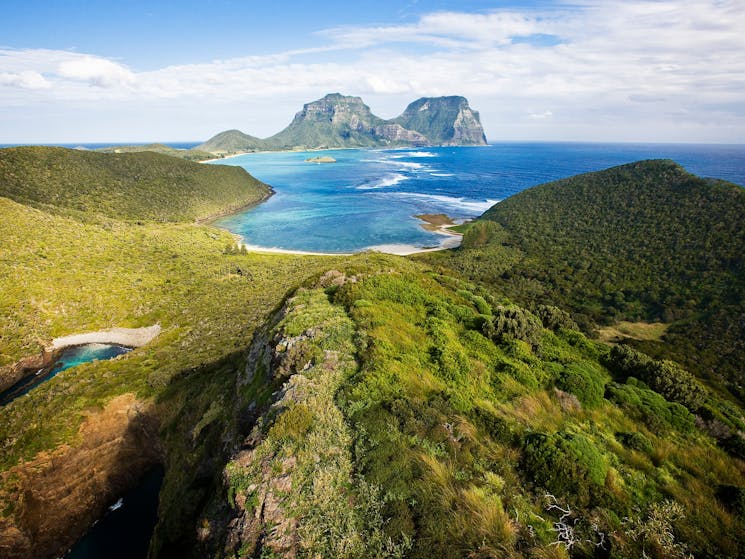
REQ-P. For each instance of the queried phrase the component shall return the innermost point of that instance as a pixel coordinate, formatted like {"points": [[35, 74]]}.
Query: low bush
{"points": [[649, 406], [584, 381], [635, 441], [513, 323], [567, 465]]}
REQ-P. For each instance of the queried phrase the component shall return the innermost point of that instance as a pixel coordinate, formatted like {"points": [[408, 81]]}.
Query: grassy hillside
{"points": [[61, 276], [188, 154], [231, 141], [640, 242], [468, 427], [127, 186]]}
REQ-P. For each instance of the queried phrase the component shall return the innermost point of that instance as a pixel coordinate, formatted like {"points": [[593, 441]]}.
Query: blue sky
{"points": [[586, 70]]}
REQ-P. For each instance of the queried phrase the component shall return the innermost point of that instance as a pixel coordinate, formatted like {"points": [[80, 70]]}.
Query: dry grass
{"points": [[647, 331]]}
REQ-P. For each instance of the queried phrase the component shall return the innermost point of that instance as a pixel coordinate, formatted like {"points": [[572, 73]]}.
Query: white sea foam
{"points": [[386, 181], [476, 207], [408, 165], [119, 504], [442, 174], [414, 154]]}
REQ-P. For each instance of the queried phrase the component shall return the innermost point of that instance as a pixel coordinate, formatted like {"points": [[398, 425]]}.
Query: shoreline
{"points": [[231, 211], [375, 148], [129, 337], [452, 240]]}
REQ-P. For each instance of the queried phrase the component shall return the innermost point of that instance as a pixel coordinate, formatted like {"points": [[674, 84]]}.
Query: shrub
{"points": [[565, 464], [649, 406], [584, 381], [635, 441], [513, 323], [625, 361], [496, 427], [555, 318], [664, 377], [675, 384]]}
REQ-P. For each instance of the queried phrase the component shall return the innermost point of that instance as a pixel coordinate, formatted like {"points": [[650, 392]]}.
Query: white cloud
{"points": [[544, 114], [638, 69], [96, 71], [26, 79]]}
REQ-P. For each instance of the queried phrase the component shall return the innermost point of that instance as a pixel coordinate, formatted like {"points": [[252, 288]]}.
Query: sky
{"points": [[83, 71]]}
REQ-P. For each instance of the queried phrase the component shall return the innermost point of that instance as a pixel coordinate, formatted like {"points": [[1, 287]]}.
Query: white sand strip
{"points": [[271, 250], [132, 337]]}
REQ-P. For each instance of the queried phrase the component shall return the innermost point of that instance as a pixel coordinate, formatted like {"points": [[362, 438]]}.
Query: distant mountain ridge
{"points": [[340, 121]]}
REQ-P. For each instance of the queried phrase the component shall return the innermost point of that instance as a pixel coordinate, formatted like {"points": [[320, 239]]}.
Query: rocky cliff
{"points": [[444, 120], [340, 121], [51, 500]]}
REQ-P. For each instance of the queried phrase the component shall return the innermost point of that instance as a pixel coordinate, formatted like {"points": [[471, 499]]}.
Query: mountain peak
{"points": [[343, 121], [444, 120]]}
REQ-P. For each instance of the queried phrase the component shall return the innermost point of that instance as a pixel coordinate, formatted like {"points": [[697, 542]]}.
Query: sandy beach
{"points": [[132, 337], [451, 240]]}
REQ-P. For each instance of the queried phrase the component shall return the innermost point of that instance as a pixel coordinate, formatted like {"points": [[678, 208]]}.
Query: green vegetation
{"points": [[645, 241], [127, 186], [465, 433], [306, 439], [231, 141], [65, 272], [188, 154], [386, 408]]}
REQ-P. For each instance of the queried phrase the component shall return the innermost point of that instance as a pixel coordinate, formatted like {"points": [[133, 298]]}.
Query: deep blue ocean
{"points": [[368, 198]]}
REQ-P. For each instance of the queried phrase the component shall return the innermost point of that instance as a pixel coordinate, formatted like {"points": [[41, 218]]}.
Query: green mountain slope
{"points": [[645, 241], [335, 120], [464, 427], [188, 154], [444, 121], [132, 186], [231, 141], [62, 275]]}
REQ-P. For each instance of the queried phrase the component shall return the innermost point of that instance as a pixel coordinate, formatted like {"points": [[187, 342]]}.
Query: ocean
{"points": [[368, 198]]}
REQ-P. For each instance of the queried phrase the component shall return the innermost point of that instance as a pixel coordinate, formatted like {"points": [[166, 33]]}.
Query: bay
{"points": [[368, 198]]}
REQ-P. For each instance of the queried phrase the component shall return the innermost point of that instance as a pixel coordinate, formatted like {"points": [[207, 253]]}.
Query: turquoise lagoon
{"points": [[368, 198], [70, 357]]}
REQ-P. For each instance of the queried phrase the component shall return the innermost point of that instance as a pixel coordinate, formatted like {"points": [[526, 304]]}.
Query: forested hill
{"points": [[643, 241], [131, 186]]}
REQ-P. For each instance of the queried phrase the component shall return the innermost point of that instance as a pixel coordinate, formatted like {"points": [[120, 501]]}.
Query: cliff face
{"points": [[58, 495], [334, 121], [444, 120], [340, 121]]}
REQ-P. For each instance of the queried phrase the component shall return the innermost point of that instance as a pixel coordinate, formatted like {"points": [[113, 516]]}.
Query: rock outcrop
{"points": [[340, 121]]}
